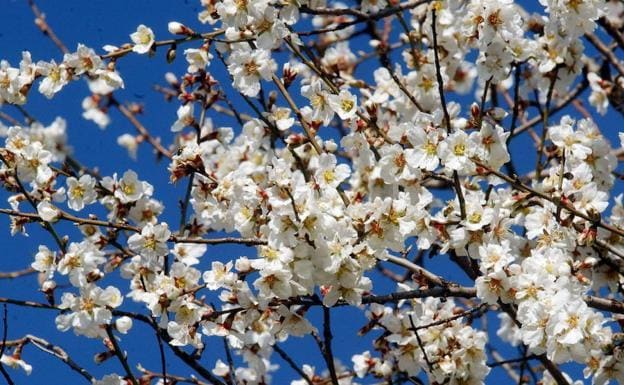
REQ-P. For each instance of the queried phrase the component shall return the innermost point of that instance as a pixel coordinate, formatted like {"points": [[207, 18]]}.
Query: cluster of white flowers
{"points": [[324, 212], [449, 351]]}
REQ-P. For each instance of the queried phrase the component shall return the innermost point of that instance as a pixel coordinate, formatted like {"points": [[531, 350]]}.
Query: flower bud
{"points": [[171, 54], [179, 29], [103, 356], [48, 212], [123, 324], [243, 265], [171, 78]]}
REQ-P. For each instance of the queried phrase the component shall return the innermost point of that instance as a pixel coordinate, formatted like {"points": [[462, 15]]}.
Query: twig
{"points": [[307, 129], [170, 42], [230, 361], [123, 226], [45, 27], [517, 184], [140, 128], [420, 344], [120, 355], [389, 11], [18, 273], [9, 119], [59, 353], [612, 31], [327, 345], [540, 149], [47, 225], [508, 368], [562, 104], [447, 118], [606, 52], [292, 364], [175, 378], [5, 330], [163, 359], [187, 358], [483, 308], [436, 280]]}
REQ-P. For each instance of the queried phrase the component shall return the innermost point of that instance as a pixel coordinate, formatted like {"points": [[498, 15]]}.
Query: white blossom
{"points": [[143, 39]]}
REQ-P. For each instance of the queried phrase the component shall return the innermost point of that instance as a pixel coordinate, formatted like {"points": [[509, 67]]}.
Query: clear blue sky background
{"points": [[96, 23]]}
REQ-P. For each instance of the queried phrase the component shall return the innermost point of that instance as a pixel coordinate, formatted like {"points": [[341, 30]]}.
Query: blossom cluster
{"points": [[326, 212]]}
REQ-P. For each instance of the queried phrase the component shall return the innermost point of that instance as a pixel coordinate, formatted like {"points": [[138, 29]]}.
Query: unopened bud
{"points": [[48, 212], [272, 98], [243, 265], [123, 324], [497, 113], [94, 276], [171, 79], [288, 75], [103, 356], [171, 54], [179, 29]]}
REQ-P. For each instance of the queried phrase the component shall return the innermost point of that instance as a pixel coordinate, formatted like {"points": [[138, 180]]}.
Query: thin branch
{"points": [[327, 345], [506, 366], [140, 128], [120, 355], [520, 186], [562, 104], [389, 11], [606, 52], [59, 353], [47, 225], [123, 226], [45, 27], [187, 358], [612, 31], [230, 361], [447, 118], [475, 311], [5, 330], [170, 42], [163, 359], [307, 129], [420, 344], [17, 273], [292, 364], [177, 379], [540, 149], [9, 119]]}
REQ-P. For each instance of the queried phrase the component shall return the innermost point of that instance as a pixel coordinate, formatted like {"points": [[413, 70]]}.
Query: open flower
{"points": [[248, 67], [56, 76], [344, 104], [197, 58], [143, 39], [185, 117], [329, 174], [129, 188], [81, 192], [152, 242]]}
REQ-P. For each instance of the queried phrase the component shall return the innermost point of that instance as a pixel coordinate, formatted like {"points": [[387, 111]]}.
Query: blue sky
{"points": [[96, 23]]}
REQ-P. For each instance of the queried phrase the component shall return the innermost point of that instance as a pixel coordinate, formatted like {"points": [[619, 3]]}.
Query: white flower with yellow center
{"points": [[329, 174], [143, 39], [197, 58], [80, 192], [455, 150], [344, 104], [130, 188], [152, 242]]}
